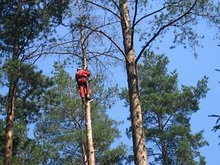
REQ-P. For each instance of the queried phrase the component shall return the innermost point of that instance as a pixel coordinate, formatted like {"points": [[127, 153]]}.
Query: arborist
{"points": [[83, 84]]}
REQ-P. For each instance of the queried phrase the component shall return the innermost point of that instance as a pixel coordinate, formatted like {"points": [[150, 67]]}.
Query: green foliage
{"points": [[30, 88], [62, 125], [23, 25], [25, 150], [30, 91], [22, 22], [167, 112], [217, 124], [153, 21], [113, 157], [2, 137]]}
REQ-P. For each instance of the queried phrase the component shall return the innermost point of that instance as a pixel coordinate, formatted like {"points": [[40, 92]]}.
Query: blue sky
{"points": [[190, 70]]}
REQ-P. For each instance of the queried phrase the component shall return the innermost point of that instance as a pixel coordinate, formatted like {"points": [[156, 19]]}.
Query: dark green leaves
{"points": [[167, 113]]}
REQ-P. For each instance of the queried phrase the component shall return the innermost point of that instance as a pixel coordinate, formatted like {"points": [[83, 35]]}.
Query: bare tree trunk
{"points": [[140, 153], [83, 47], [10, 125], [91, 152], [139, 147]]}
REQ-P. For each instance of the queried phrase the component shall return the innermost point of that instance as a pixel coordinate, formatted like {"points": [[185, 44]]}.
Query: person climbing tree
{"points": [[83, 84]]}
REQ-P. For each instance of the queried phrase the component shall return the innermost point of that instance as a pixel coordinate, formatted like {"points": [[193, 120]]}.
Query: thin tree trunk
{"points": [[91, 152], [10, 125], [140, 153], [85, 159], [82, 145], [83, 47], [162, 141]]}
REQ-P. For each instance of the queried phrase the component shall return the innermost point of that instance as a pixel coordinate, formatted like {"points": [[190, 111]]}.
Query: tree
{"points": [[85, 50], [30, 89], [88, 121], [61, 131], [22, 25], [149, 22], [167, 111]]}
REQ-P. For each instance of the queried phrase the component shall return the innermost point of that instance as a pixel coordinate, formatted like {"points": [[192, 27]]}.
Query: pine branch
{"points": [[162, 28], [104, 8]]}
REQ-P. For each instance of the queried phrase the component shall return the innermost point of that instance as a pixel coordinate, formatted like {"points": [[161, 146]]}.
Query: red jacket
{"points": [[82, 74]]}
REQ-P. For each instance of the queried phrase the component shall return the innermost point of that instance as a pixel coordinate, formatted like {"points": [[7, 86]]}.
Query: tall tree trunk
{"points": [[10, 125], [140, 153], [91, 153], [13, 79]]}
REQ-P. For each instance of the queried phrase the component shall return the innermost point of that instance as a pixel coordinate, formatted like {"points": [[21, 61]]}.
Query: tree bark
{"points": [[9, 132], [91, 152], [10, 125], [140, 153]]}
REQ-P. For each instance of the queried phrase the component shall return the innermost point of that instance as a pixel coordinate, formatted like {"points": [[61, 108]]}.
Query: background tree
{"points": [[89, 50], [31, 86], [61, 130], [22, 23], [149, 21], [167, 111]]}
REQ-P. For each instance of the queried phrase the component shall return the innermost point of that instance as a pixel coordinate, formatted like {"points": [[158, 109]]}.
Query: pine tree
{"points": [[22, 23], [30, 89], [61, 130], [167, 113], [148, 21]]}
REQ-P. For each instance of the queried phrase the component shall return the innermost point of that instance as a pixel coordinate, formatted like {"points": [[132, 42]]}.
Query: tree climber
{"points": [[83, 84]]}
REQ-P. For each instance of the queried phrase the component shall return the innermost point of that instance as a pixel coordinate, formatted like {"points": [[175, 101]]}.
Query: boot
{"points": [[89, 98], [83, 100]]}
